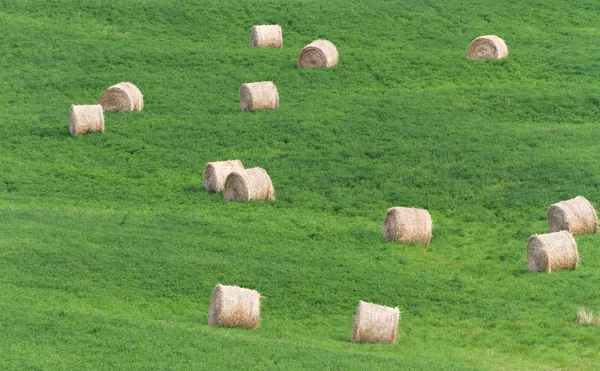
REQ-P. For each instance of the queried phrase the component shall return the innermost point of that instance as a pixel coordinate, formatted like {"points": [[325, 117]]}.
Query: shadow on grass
{"points": [[193, 188]]}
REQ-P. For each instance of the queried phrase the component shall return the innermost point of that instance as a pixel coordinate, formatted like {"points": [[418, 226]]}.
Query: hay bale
{"points": [[266, 36], [248, 185], [375, 323], [124, 97], [318, 54], [552, 251], [86, 119], [233, 306], [489, 46], [409, 225], [576, 215], [215, 173], [258, 95]]}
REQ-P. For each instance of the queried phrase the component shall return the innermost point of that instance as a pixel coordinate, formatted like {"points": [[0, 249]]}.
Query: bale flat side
{"points": [[85, 119], [236, 187], [485, 47], [408, 225], [266, 36], [552, 251], [215, 174], [318, 54], [258, 96], [576, 215], [375, 323], [233, 306]]}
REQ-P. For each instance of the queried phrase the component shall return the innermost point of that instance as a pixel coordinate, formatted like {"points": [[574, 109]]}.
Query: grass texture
{"points": [[110, 247]]}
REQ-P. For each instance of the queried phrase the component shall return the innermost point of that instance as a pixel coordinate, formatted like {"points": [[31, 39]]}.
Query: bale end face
{"points": [[408, 225], [375, 323], [233, 306]]}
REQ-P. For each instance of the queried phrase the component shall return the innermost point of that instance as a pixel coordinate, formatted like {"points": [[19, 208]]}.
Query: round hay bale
{"points": [[215, 173], [266, 36], [318, 54], [123, 97], [408, 225], [489, 46], [87, 118], [375, 323], [233, 306], [258, 95], [248, 185], [576, 215], [552, 251]]}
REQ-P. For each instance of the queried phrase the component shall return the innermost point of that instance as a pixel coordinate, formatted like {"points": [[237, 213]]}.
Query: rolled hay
{"points": [[375, 323], [123, 97], [552, 251], [576, 215], [266, 36], [408, 225], [86, 118], [258, 96], [215, 173], [489, 46], [233, 306], [248, 185], [318, 54]]}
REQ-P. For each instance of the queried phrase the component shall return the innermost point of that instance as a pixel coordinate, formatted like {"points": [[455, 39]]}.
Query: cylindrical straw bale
{"points": [[409, 225], [489, 46], [552, 251], [318, 54], [248, 185], [124, 97], [86, 119], [215, 174], [233, 306], [576, 215], [258, 95], [375, 323], [266, 36]]}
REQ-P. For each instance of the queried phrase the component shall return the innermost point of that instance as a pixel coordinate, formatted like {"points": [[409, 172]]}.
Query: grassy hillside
{"points": [[110, 247]]}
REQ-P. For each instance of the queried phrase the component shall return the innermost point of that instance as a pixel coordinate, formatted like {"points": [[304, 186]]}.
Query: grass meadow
{"points": [[110, 247]]}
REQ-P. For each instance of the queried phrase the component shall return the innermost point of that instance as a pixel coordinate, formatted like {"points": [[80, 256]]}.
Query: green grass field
{"points": [[110, 247]]}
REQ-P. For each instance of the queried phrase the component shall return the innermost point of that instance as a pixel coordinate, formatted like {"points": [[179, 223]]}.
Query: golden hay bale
{"points": [[318, 54], [405, 224], [86, 119], [489, 46], [266, 36], [258, 95], [233, 306], [552, 251], [375, 323], [124, 97], [215, 174], [248, 185], [576, 215]]}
